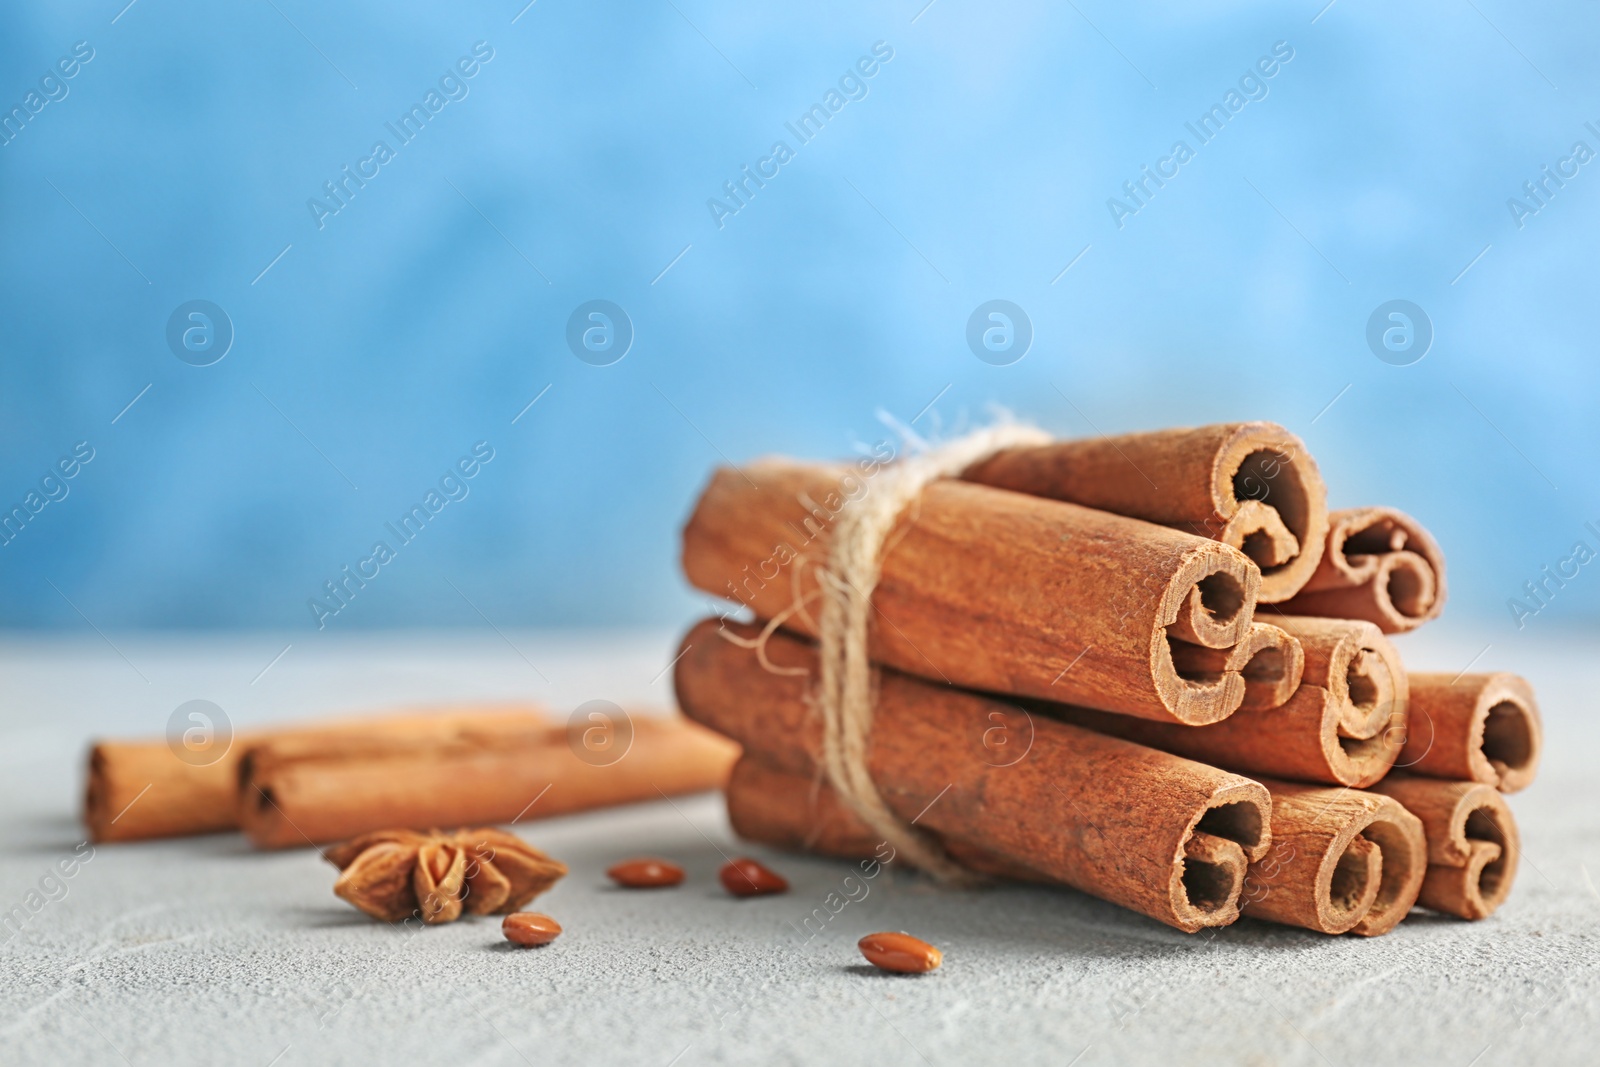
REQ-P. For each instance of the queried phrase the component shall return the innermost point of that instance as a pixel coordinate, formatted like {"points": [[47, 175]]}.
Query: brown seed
{"points": [[646, 874], [745, 877], [900, 952], [529, 928]]}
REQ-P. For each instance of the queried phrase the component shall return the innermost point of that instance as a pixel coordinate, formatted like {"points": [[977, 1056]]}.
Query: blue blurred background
{"points": [[374, 346]]}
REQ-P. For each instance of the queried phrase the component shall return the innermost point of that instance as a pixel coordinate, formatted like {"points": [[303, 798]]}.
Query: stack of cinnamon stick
{"points": [[1153, 667]]}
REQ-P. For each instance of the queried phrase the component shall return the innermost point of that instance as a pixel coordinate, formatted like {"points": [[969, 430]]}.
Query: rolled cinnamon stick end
{"points": [[1356, 664], [988, 589], [1301, 740], [1380, 565], [1108, 817], [1473, 844], [1342, 861], [1461, 891], [137, 790], [294, 792], [1250, 485], [1474, 728], [1269, 659]]}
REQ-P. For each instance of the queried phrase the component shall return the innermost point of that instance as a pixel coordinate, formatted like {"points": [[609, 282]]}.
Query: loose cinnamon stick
{"points": [[991, 589], [1110, 818], [1380, 565], [1299, 741], [1342, 860], [1475, 728], [141, 789], [299, 791], [1358, 665], [1473, 844], [1251, 485], [1270, 661]]}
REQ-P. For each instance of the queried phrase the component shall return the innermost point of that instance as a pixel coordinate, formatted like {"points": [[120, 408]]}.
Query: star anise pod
{"points": [[394, 874]]}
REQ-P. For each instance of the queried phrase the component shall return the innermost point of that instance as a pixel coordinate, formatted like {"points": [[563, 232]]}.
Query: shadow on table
{"points": [[333, 918], [47, 835], [866, 970]]}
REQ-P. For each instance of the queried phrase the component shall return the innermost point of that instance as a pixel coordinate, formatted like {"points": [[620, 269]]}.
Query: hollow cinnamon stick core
{"points": [[1342, 860], [1380, 565], [297, 791], [1473, 727], [1213, 870], [1356, 664], [1250, 485], [1105, 816], [1300, 740], [142, 789], [1270, 661], [991, 589], [1473, 845]]}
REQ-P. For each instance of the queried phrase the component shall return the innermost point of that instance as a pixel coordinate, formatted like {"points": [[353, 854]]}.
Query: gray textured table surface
{"points": [[200, 951]]}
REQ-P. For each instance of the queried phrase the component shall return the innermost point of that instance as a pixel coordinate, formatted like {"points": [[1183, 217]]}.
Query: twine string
{"points": [[845, 694]]}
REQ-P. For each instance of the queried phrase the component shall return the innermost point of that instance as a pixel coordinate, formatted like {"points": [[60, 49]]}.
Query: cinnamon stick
{"points": [[140, 789], [297, 791], [1473, 844], [1475, 728], [1113, 819], [802, 813], [1251, 485], [1300, 740], [1342, 861], [1380, 565], [797, 812], [991, 589]]}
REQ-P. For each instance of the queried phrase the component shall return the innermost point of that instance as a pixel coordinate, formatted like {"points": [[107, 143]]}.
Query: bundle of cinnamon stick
{"points": [[1154, 668]]}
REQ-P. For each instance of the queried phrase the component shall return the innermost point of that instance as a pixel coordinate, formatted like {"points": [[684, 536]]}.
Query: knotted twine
{"points": [[845, 695]]}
